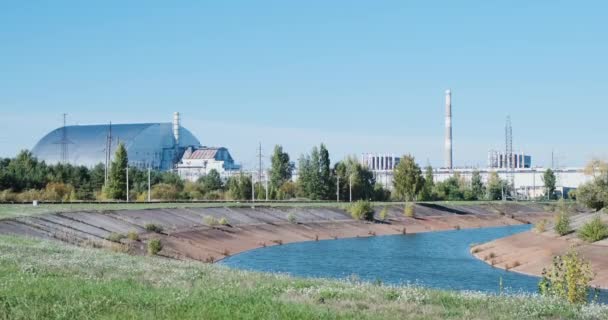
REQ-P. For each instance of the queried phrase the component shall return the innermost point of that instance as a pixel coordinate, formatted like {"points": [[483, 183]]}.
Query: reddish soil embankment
{"points": [[187, 234], [530, 252]]}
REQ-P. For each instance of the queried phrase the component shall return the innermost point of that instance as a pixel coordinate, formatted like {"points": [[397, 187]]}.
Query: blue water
{"points": [[435, 259]]}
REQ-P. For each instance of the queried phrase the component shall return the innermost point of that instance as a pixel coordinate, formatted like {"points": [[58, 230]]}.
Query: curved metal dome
{"points": [[148, 144]]}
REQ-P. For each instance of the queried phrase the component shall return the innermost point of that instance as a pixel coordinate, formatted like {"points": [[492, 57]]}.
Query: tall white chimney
{"points": [[448, 129], [176, 127]]}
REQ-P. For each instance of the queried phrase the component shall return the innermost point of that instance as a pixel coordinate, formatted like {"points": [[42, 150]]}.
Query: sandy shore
{"points": [[530, 252]]}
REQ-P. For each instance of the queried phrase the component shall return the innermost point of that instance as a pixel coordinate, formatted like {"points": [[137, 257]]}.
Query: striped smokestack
{"points": [[448, 129]]}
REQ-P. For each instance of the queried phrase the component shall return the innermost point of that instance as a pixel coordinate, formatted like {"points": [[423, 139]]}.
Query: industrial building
{"points": [[515, 167], [516, 160], [198, 162], [160, 146]]}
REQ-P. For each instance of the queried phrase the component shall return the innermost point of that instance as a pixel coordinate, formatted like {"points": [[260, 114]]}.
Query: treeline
{"points": [[594, 194], [24, 178]]}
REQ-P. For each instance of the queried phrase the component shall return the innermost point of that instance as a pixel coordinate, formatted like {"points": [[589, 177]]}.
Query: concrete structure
{"points": [[499, 160], [149, 145], [382, 166], [198, 162], [448, 130]]}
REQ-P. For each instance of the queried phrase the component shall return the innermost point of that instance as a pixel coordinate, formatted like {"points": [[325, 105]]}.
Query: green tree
{"points": [[364, 186], [451, 189], [212, 181], [239, 187], [477, 187], [314, 179], [549, 180], [496, 187], [429, 185], [408, 180], [117, 182], [325, 179], [281, 169]]}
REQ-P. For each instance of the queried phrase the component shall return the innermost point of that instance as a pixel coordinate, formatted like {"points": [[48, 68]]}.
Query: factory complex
{"points": [[170, 147]]}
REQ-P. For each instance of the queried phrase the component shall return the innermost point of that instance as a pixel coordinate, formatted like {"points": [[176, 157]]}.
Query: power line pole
{"points": [[252, 189]]}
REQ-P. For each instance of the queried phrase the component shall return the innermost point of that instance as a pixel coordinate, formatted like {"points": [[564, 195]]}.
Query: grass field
{"points": [[50, 280]]}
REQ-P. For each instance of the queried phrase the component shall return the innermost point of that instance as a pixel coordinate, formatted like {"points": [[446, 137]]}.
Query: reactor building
{"points": [[158, 146]]}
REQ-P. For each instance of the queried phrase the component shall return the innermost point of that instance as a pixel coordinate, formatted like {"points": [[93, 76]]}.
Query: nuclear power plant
{"points": [[163, 146], [514, 167]]}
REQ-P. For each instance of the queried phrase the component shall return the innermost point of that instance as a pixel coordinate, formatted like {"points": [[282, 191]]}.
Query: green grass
{"points": [[50, 280]]}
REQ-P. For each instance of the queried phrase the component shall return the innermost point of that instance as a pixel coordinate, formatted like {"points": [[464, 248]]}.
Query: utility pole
{"points": [[338, 189], [127, 182], [149, 170]]}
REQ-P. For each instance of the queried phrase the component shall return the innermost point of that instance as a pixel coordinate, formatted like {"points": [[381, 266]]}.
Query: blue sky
{"points": [[361, 76]]}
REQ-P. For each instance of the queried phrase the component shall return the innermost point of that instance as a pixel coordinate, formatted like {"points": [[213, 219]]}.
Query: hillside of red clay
{"points": [[187, 233], [530, 252]]}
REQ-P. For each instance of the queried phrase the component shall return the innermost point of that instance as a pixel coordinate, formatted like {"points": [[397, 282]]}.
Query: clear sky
{"points": [[361, 76]]}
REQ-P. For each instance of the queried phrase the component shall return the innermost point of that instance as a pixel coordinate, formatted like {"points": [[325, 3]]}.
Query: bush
{"points": [[292, 218], [594, 230], [562, 224], [164, 191], [154, 228], [115, 237], [409, 210], [541, 226], [383, 214], [133, 235], [223, 221], [154, 247], [361, 210], [210, 221], [568, 279]]}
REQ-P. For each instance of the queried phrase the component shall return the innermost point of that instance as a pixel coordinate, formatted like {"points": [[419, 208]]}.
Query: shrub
{"points": [[541, 226], [383, 214], [562, 224], [132, 235], [594, 230], [210, 221], [409, 211], [115, 237], [361, 210], [154, 228], [292, 218], [154, 247], [568, 279], [223, 221]]}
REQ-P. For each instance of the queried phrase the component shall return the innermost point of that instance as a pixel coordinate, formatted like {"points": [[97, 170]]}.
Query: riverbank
{"points": [[530, 252], [194, 233], [42, 279]]}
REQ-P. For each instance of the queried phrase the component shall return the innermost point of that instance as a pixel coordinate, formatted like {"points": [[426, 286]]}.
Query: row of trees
{"points": [[411, 185], [27, 179]]}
